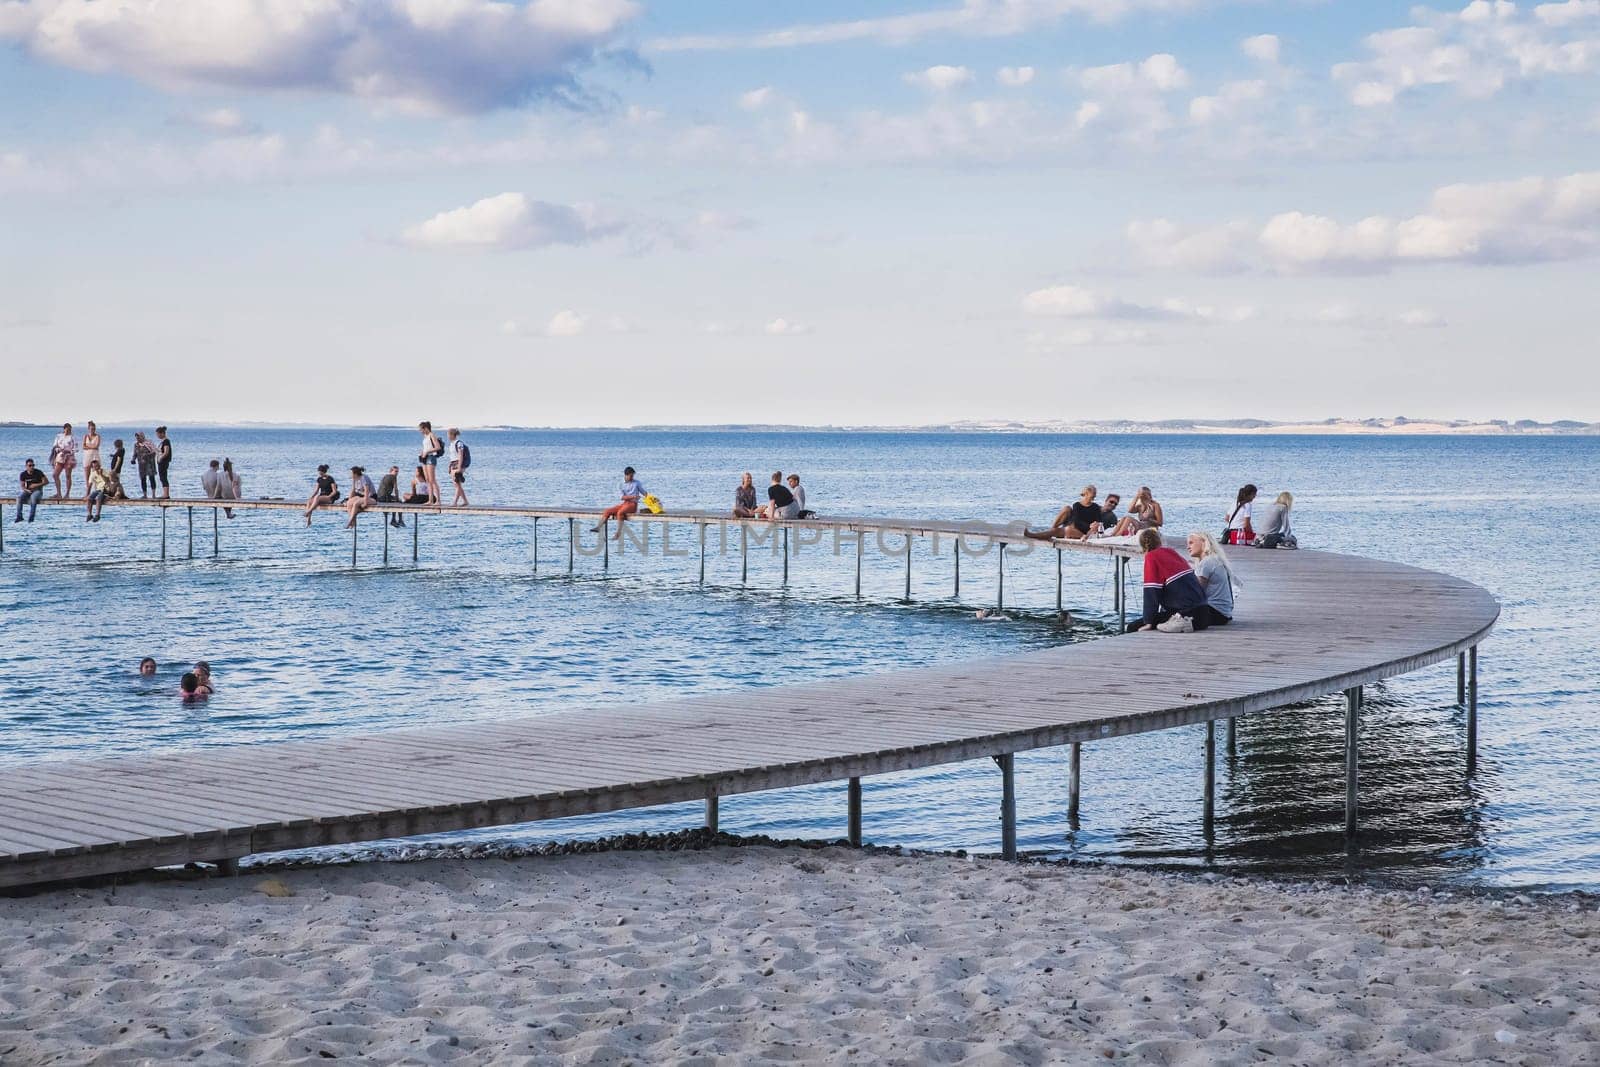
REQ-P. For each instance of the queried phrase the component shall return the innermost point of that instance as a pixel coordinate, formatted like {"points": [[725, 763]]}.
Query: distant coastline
{"points": [[1327, 427]]}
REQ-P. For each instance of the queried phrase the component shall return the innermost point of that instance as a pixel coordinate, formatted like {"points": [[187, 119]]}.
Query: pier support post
{"points": [[355, 534], [1122, 594], [191, 532], [228, 868], [571, 542], [536, 544], [163, 533], [605, 544], [1461, 679], [1008, 806], [786, 555], [387, 519], [215, 534], [1352, 722], [908, 568], [711, 813], [860, 544], [1472, 710], [416, 534], [1074, 781], [1233, 741], [1058, 581], [1211, 774], [744, 554], [854, 827], [957, 554], [702, 536], [1000, 589]]}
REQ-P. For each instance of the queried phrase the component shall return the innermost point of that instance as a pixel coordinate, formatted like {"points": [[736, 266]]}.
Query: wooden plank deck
{"points": [[1311, 623]]}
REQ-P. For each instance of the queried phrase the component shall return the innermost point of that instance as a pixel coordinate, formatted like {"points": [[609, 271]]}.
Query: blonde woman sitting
{"points": [[1143, 514], [1216, 577], [1273, 530]]}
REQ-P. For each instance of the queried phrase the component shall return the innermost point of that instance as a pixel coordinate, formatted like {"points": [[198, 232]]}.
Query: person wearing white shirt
{"points": [[63, 458]]}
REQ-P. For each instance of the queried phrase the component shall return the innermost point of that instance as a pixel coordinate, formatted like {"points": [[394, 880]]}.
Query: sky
{"points": [[615, 212]]}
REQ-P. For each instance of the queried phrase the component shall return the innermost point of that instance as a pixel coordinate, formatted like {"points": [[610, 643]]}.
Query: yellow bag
{"points": [[652, 503]]}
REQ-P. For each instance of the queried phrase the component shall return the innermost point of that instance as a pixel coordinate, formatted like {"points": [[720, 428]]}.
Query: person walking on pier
{"points": [[325, 494], [63, 459], [362, 494], [744, 498], [144, 458], [1174, 601], [163, 461], [632, 492], [31, 489], [98, 484], [460, 460], [432, 449]]}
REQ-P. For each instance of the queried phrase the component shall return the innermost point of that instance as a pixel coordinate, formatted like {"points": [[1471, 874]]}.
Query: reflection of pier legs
{"points": [[1074, 781], [1472, 710], [854, 826], [1352, 722], [1211, 781]]}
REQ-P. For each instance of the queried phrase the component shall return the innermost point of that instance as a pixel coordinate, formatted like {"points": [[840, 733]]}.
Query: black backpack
{"points": [[466, 456]]}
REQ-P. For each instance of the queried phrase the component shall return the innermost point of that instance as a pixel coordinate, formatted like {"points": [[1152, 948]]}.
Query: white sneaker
{"points": [[1178, 624]]}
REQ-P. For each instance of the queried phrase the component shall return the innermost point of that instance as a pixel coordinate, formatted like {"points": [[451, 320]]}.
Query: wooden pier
{"points": [[1311, 624]]}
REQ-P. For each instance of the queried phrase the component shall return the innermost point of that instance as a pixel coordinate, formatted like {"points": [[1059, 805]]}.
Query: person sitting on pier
{"points": [[800, 498], [781, 503], [1108, 513], [215, 484], [1239, 531], [189, 686], [389, 493], [1173, 598], [419, 489], [98, 483], [744, 498], [1274, 531], [632, 492], [1074, 522], [326, 493], [362, 494], [1215, 574], [31, 484], [1143, 514]]}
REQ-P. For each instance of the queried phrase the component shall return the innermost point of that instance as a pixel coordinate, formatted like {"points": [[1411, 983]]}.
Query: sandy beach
{"points": [[757, 954]]}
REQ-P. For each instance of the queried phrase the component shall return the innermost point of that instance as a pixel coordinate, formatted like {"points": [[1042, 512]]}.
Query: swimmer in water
{"points": [[202, 671], [147, 668], [189, 685]]}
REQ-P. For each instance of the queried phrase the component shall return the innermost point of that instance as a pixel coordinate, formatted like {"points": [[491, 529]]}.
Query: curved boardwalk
{"points": [[1311, 624]]}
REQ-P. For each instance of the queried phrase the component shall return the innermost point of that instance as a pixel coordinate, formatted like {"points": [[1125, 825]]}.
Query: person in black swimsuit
{"points": [[163, 461], [1075, 521], [325, 494]]}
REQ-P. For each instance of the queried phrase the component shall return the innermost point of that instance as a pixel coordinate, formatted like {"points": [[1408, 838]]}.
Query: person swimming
{"points": [[202, 671], [147, 667], [189, 686]]}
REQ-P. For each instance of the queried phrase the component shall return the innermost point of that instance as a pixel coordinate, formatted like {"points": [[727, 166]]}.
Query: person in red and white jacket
{"points": [[1173, 598]]}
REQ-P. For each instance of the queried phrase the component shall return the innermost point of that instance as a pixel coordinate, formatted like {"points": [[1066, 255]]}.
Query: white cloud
{"points": [[1227, 101], [566, 323], [1092, 337], [1159, 73], [1345, 315], [939, 79], [1017, 77], [719, 222], [1477, 50], [1263, 47], [224, 121], [782, 327], [756, 99], [511, 221], [1076, 302], [977, 18], [457, 56], [1527, 220]]}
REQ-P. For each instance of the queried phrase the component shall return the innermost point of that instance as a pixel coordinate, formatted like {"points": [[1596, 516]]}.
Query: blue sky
{"points": [[570, 213]]}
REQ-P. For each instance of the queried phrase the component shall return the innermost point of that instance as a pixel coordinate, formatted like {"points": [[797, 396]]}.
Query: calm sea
{"points": [[304, 645]]}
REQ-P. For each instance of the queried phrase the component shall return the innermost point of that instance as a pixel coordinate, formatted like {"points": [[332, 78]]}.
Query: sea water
{"points": [[306, 645]]}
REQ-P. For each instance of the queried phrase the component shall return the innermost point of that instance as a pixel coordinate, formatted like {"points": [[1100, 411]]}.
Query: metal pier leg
{"points": [[860, 543], [786, 555], [1233, 743], [1000, 592], [1008, 806], [191, 533], [908, 568], [1461, 679], [215, 542], [855, 813], [1472, 710], [957, 554], [163, 533], [355, 534], [605, 543], [711, 813], [744, 554], [416, 536], [1058, 581], [536, 544], [571, 535], [1122, 593], [386, 521], [1211, 774], [702, 553], [228, 868], [1352, 719], [1074, 781]]}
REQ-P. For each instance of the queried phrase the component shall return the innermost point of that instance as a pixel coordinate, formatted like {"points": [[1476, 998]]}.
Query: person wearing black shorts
{"points": [[163, 461]]}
